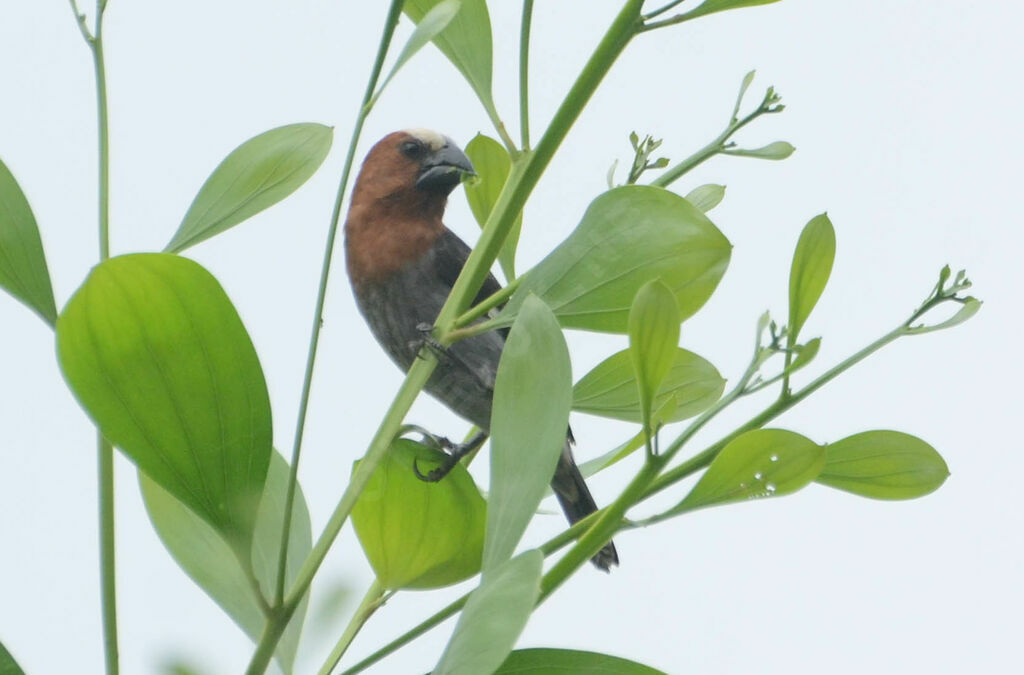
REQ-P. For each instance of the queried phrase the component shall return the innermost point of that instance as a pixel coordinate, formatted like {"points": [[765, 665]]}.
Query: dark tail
{"points": [[577, 502]]}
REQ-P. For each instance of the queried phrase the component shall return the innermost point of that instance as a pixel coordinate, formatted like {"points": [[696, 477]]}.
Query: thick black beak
{"points": [[442, 170]]}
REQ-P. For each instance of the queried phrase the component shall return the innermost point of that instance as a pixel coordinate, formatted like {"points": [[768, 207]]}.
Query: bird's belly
{"points": [[464, 377]]}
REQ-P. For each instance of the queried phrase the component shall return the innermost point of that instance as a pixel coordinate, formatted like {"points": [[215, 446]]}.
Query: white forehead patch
{"points": [[430, 138]]}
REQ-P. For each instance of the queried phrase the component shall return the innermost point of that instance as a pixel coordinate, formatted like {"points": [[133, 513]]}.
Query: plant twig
{"points": [[314, 339], [373, 599], [524, 74]]}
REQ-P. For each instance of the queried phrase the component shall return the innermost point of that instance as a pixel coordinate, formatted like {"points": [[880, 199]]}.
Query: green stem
{"points": [[524, 74], [713, 148], [601, 532], [108, 581], [371, 601], [105, 451], [391, 21], [487, 304]]}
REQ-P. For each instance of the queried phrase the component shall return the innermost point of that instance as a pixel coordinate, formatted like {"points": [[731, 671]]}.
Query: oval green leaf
{"points": [[494, 616], [570, 662], [812, 265], [706, 197], [653, 341], [432, 23], [628, 236], [418, 534], [256, 175], [775, 151], [883, 465], [466, 41], [8, 666], [492, 164], [532, 397], [610, 390], [154, 351], [968, 308], [23, 271], [760, 463], [209, 561]]}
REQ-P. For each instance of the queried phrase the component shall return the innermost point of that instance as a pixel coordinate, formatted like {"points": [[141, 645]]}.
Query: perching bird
{"points": [[403, 262]]}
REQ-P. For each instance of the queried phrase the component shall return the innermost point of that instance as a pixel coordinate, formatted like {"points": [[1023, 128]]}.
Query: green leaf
{"points": [[628, 236], [418, 534], [968, 309], [706, 197], [23, 271], [812, 265], [154, 351], [466, 41], [492, 164], [748, 79], [8, 666], [569, 662], [805, 354], [653, 341], [883, 465], [775, 151], [760, 463], [610, 390], [209, 561], [494, 616], [432, 23], [256, 175], [712, 6], [532, 397]]}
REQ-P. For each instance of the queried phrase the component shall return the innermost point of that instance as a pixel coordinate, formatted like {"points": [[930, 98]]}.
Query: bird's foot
{"points": [[454, 452], [428, 340]]}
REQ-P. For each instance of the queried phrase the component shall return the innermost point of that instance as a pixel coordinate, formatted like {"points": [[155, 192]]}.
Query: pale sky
{"points": [[906, 121]]}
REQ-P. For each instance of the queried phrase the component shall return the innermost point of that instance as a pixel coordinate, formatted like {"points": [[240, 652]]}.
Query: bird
{"points": [[402, 262]]}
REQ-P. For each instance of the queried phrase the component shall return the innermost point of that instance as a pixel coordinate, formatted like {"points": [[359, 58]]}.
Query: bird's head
{"points": [[415, 163]]}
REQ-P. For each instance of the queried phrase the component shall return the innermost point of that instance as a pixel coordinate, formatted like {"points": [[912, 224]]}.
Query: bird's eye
{"points": [[412, 149]]}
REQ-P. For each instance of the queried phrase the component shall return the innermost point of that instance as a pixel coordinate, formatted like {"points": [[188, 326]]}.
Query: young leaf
{"points": [[712, 6], [628, 236], [969, 308], [883, 465], [569, 662], [466, 41], [610, 390], [748, 79], [8, 666], [760, 463], [492, 163], [427, 28], [256, 175], [418, 534], [494, 616], [812, 265], [154, 351], [653, 341], [209, 561], [775, 151], [23, 271], [706, 197], [805, 354], [532, 397]]}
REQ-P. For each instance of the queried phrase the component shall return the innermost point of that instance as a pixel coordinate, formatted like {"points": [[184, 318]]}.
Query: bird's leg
{"points": [[455, 453]]}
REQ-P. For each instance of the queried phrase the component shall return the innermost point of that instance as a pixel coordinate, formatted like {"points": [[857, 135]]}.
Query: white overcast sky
{"points": [[906, 116]]}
